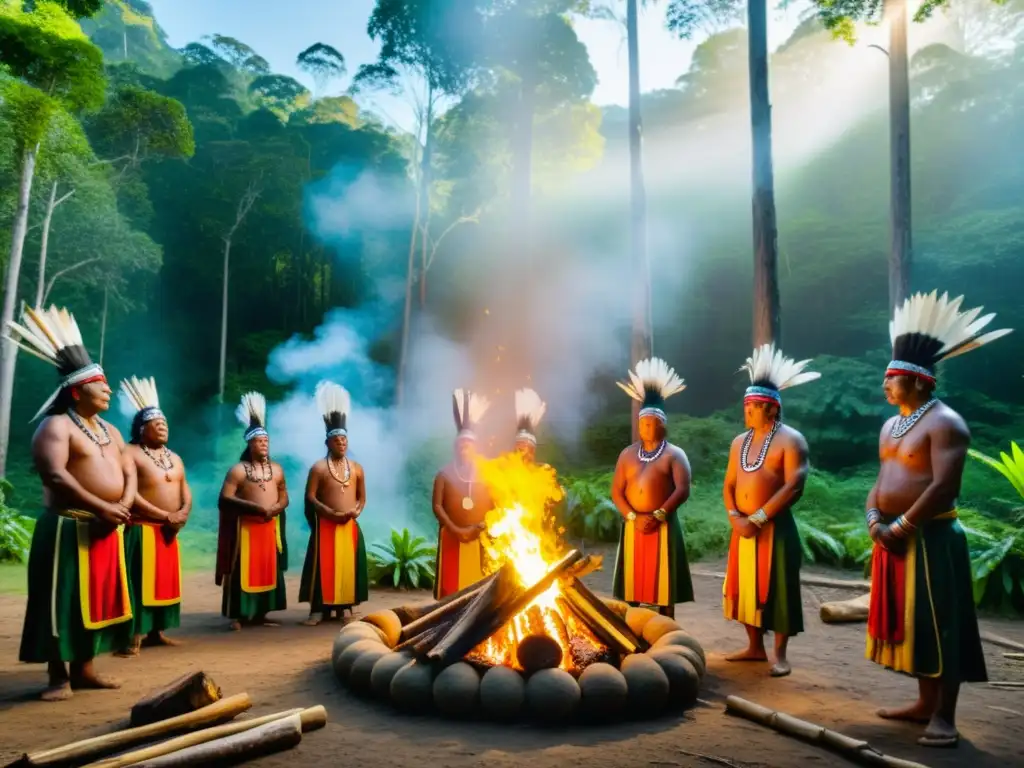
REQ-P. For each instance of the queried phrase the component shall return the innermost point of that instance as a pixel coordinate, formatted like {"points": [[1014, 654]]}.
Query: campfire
{"points": [[530, 624]]}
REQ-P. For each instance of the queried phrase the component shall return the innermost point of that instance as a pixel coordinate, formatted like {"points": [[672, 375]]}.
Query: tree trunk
{"points": [[641, 343], [9, 352], [766, 255], [44, 244], [222, 366], [428, 141], [900, 254], [103, 323], [403, 350]]}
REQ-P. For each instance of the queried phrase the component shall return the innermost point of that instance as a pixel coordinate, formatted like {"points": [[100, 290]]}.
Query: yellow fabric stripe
{"points": [[627, 561], [277, 534], [344, 564], [85, 578], [747, 611], [149, 534], [470, 563], [663, 565]]}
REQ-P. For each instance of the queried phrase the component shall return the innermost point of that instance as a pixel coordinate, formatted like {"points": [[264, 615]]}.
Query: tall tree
{"points": [[684, 17], [433, 41], [56, 68], [324, 64]]}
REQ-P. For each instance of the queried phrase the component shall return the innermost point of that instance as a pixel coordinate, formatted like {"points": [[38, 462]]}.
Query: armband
{"points": [[759, 518]]}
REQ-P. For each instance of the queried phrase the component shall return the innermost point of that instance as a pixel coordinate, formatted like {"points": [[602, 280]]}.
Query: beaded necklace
{"points": [[748, 440]]}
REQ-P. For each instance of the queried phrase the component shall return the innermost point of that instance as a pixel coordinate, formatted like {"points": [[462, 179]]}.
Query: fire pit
{"points": [[530, 638], [550, 651]]}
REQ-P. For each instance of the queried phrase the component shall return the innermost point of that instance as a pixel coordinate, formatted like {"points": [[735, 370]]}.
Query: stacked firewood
{"points": [[447, 631], [197, 725]]}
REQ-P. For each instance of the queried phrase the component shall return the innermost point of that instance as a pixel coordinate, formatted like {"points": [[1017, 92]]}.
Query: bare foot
{"points": [[235, 626], [159, 638], [312, 621], [748, 654], [127, 653], [939, 733], [780, 669], [92, 681], [915, 713], [58, 692]]}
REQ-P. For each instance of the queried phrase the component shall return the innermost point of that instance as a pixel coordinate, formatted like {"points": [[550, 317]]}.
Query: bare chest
{"points": [[912, 450]]}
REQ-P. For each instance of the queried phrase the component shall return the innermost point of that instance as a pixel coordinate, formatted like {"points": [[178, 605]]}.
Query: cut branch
{"points": [[61, 273], [443, 612], [186, 694], [459, 640]]}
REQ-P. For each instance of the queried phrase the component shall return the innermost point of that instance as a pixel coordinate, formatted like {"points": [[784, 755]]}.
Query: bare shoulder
{"points": [[115, 433], [357, 468], [793, 438], [176, 458], [628, 452], [319, 466], [52, 427], [277, 469], [948, 423], [135, 451], [676, 453], [237, 472], [737, 441]]}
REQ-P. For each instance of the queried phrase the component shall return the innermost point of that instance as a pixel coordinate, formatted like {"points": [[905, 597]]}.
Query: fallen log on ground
{"points": [[81, 751], [806, 580], [275, 736], [842, 611], [186, 694], [1002, 642], [312, 719], [854, 749]]}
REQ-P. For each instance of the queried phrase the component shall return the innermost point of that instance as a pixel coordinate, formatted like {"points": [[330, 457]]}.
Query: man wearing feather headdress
{"points": [[162, 506], [767, 470], [334, 575], [651, 483], [921, 619], [460, 502], [79, 603], [252, 549]]}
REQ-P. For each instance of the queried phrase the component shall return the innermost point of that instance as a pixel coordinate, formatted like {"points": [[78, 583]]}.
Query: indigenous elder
{"points": [[78, 598], [651, 482], [162, 506], [921, 619], [460, 502], [334, 575], [252, 551], [765, 478]]}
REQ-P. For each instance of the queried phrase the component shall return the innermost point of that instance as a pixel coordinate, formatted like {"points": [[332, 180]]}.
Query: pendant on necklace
{"points": [[167, 476], [467, 502]]}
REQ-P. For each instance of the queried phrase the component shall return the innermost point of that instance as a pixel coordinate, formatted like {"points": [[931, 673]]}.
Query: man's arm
{"points": [[619, 488], [51, 448], [180, 516], [737, 519], [949, 444], [131, 476], [872, 515], [438, 503], [360, 491], [229, 497], [680, 481], [314, 507], [795, 466], [282, 492]]}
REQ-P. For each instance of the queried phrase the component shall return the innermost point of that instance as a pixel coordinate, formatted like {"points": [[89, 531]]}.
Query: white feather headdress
{"points": [[144, 401], [651, 385], [929, 328], [771, 372], [52, 335], [252, 413], [530, 410], [468, 408], [334, 403]]}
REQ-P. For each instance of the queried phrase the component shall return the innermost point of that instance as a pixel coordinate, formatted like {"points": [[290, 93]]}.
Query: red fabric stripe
{"points": [[325, 532], [167, 571], [262, 553], [901, 372], [448, 577], [888, 595], [645, 565], [106, 598]]}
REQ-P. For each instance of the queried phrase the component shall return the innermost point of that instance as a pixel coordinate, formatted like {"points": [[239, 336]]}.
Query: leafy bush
{"points": [[15, 529], [407, 560]]}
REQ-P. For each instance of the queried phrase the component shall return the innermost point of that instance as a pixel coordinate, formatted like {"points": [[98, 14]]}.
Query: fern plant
{"points": [[15, 529], [997, 562], [407, 560]]}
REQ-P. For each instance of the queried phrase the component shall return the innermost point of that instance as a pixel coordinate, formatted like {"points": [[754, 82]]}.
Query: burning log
{"points": [[588, 565], [487, 614], [410, 613], [443, 612], [186, 694], [612, 630]]}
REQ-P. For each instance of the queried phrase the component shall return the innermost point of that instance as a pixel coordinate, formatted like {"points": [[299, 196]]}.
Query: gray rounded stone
{"points": [[362, 668], [353, 652], [683, 638], [553, 695], [457, 690], [384, 671], [502, 693], [603, 691], [412, 687], [648, 684], [684, 682]]}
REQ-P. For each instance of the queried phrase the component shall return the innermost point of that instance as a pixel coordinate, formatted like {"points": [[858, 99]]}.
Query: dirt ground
{"points": [[289, 666]]}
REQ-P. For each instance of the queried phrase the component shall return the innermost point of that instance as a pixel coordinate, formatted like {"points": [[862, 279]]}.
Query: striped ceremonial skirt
{"points": [[651, 568], [334, 574]]}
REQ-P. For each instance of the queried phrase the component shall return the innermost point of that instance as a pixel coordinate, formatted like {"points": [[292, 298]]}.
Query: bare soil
{"points": [[289, 666]]}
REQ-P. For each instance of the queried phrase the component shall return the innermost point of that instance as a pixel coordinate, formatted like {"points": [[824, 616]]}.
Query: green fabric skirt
{"points": [[680, 586], [784, 610], [311, 588], [54, 629], [145, 620]]}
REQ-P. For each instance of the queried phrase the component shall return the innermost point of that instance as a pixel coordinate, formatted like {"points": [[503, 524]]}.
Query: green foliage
{"points": [[137, 124], [1010, 466], [323, 62], [27, 112], [588, 511], [406, 561], [15, 529]]}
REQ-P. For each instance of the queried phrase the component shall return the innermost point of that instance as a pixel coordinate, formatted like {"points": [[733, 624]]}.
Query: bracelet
{"points": [[902, 527], [759, 518], [873, 517], [659, 515], [734, 513], [631, 516]]}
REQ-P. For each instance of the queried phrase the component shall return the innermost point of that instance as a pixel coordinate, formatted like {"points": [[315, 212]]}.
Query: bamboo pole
{"points": [[312, 719], [854, 749], [805, 580], [276, 736], [1002, 642], [79, 751]]}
